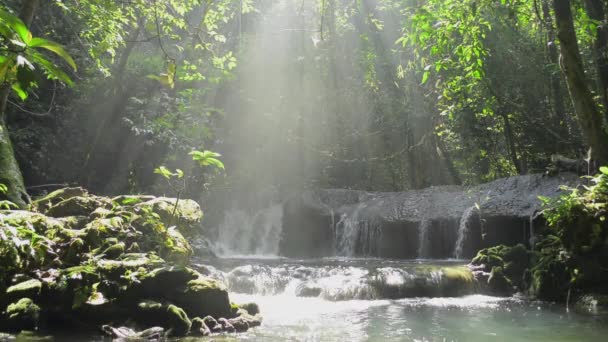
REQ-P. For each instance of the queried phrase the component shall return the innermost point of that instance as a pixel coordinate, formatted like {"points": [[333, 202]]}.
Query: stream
{"points": [[344, 303]]}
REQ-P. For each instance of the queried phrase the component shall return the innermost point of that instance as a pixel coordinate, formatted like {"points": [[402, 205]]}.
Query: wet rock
{"points": [[240, 324], [226, 325], [152, 334], [22, 315], [593, 303], [199, 328], [178, 321], [498, 282], [307, 290], [213, 325], [251, 308], [202, 297]]}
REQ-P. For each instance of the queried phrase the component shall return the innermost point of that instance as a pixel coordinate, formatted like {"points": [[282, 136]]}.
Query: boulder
{"points": [[187, 216], [78, 206], [176, 248], [498, 282], [26, 289], [202, 297], [213, 325], [57, 196], [199, 328], [22, 315]]}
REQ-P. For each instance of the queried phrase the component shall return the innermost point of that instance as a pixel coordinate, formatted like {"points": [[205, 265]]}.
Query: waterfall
{"points": [[466, 221], [423, 239], [355, 235], [246, 233]]}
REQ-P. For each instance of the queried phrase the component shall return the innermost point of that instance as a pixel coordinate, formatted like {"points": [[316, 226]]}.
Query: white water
{"points": [[352, 304], [464, 227], [250, 233], [354, 235], [423, 239]]}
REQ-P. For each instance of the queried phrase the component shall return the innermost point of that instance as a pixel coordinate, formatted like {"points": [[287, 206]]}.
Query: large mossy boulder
{"points": [[203, 297], [23, 314], [26, 289], [187, 215], [93, 261], [168, 316]]}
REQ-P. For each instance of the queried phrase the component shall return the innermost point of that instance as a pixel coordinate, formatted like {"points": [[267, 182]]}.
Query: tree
{"points": [[586, 110], [18, 62]]}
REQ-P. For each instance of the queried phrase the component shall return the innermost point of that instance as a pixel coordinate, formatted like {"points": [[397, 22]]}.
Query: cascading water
{"points": [[423, 239], [464, 227], [355, 234], [245, 233]]}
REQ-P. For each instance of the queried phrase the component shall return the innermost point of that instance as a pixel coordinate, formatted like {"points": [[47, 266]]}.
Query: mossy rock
{"points": [[202, 297], [78, 206], [168, 316], [199, 328], [27, 289], [498, 283], [40, 223], [176, 248], [42, 204], [251, 308], [22, 315], [187, 217], [170, 277], [98, 230], [456, 281]]}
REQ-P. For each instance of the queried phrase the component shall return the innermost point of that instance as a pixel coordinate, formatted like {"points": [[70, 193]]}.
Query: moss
{"points": [[456, 281], [176, 248], [29, 288], [178, 320], [22, 315], [115, 250], [169, 316], [498, 283], [78, 206], [188, 213], [57, 196], [202, 297]]}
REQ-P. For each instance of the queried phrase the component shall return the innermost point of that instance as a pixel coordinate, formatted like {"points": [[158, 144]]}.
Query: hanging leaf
{"points": [[54, 47]]}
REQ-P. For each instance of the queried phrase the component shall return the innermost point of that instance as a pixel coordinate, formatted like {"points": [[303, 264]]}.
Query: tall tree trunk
{"points": [[553, 55], [10, 172], [596, 11], [587, 112]]}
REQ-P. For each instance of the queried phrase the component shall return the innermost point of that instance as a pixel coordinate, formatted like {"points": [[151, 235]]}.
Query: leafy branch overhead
{"points": [[20, 56]]}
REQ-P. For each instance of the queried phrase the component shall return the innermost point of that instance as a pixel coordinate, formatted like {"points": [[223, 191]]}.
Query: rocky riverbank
{"points": [[568, 261], [114, 265]]}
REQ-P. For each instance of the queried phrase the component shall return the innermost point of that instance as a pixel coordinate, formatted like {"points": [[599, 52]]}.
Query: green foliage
{"points": [[572, 253], [20, 56], [207, 158]]}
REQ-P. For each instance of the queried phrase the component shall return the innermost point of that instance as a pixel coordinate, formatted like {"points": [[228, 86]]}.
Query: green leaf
{"points": [[51, 69], [14, 23], [604, 170], [163, 171], [19, 91], [54, 47], [425, 77]]}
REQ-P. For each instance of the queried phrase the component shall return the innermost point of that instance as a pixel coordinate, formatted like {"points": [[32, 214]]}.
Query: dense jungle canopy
{"points": [[362, 94]]}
